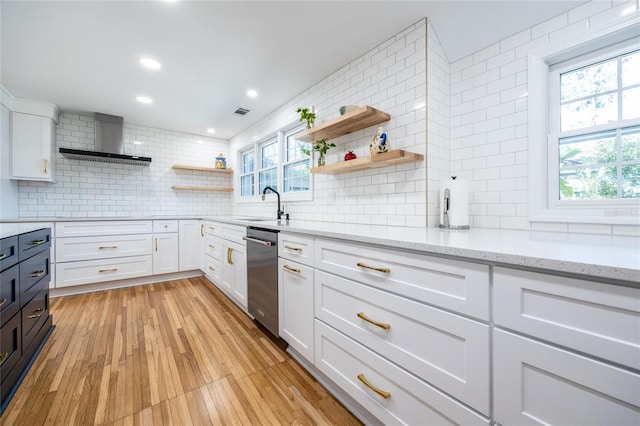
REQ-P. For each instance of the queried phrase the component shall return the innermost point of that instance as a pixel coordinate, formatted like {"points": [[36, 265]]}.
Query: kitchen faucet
{"points": [[280, 212]]}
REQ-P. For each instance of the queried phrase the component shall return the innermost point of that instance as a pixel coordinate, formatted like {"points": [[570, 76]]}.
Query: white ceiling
{"points": [[83, 55]]}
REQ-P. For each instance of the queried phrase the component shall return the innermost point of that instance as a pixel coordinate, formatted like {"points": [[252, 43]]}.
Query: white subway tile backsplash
{"points": [[515, 40], [550, 25]]}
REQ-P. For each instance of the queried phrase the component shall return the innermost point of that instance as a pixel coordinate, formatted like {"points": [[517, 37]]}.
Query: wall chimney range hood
{"points": [[109, 140]]}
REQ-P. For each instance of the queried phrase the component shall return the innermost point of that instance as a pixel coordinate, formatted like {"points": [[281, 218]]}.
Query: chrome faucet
{"points": [[280, 212]]}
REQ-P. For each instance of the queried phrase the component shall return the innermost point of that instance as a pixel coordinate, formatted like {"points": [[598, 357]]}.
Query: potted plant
{"points": [[307, 115], [321, 146]]}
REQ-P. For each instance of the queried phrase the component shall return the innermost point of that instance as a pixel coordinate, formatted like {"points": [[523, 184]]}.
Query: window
{"points": [[584, 128], [282, 165]]}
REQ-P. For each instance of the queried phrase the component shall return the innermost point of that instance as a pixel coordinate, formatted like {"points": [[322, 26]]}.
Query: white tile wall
{"points": [[88, 189], [489, 144]]}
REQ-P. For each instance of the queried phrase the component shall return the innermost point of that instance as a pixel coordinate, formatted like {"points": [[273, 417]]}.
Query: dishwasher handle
{"points": [[255, 240]]}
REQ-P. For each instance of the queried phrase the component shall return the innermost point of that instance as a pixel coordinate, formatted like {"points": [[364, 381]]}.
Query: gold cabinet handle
{"points": [[37, 274], [3, 357], [211, 268], [384, 394], [361, 315], [107, 247], [45, 166], [108, 270], [37, 242], [212, 246], [37, 313], [385, 270], [156, 244], [289, 268], [298, 249], [2, 256], [213, 228], [202, 229], [229, 252], [3, 301]]}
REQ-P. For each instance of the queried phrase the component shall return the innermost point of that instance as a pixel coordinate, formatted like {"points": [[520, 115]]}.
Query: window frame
{"points": [[280, 137], [543, 147]]}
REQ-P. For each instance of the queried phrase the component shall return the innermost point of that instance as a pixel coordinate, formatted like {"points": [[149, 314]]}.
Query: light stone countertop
{"points": [[606, 257]]}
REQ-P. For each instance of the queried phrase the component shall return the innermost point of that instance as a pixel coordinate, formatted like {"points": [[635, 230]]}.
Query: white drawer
{"points": [[212, 228], [294, 247], [106, 227], [213, 247], [411, 400], [95, 271], [160, 226], [536, 383], [451, 352], [595, 318], [88, 248], [213, 269], [230, 232], [460, 286]]}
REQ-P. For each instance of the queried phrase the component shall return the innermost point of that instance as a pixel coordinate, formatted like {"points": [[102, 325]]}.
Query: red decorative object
{"points": [[350, 156]]}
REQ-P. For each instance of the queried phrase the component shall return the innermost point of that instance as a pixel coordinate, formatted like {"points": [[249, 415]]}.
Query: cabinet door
{"points": [[189, 239], [32, 146], [535, 383], [295, 306], [234, 271], [165, 253]]}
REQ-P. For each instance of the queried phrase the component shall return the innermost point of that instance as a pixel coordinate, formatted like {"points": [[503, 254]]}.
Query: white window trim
{"points": [[280, 135], [626, 212]]}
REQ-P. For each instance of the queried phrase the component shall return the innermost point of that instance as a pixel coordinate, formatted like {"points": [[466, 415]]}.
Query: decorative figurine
{"points": [[221, 162], [350, 156], [379, 142]]}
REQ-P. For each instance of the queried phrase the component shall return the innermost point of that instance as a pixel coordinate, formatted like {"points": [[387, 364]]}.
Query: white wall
{"points": [[88, 189], [489, 143], [391, 77]]}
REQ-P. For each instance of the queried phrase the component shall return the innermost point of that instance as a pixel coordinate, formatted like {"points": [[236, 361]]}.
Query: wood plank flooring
{"points": [[173, 353]]}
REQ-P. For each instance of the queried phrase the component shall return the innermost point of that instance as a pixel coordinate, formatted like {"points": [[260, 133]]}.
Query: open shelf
{"points": [[371, 162], [357, 119], [201, 188], [201, 169]]}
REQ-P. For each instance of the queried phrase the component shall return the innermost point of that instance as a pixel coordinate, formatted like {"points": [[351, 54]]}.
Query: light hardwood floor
{"points": [[173, 353]]}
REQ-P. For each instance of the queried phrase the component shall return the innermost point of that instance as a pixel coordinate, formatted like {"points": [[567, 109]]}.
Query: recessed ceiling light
{"points": [[252, 93], [210, 130], [144, 99], [152, 64]]}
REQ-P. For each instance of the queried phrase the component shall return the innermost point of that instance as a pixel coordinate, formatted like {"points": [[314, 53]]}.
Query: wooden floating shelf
{"points": [[371, 162], [357, 119], [201, 169], [201, 188]]}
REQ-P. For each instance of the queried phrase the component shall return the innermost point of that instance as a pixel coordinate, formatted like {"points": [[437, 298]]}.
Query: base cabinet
{"points": [[189, 249], [234, 271], [165, 253]]}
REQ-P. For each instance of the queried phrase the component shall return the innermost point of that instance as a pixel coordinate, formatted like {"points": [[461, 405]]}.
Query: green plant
{"points": [[321, 146], [306, 114]]}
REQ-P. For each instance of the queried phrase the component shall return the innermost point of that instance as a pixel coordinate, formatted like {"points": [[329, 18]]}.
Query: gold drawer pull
{"points": [[37, 274], [3, 301], [361, 315], [3, 357], [298, 249], [213, 228], [229, 259], [37, 313], [45, 167], [289, 268], [156, 244], [107, 247], [212, 246], [37, 242], [108, 270], [384, 394], [202, 229], [212, 268], [385, 270], [166, 226], [2, 256]]}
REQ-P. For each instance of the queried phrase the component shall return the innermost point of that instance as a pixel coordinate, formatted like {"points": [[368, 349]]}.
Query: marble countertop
{"points": [[608, 257]]}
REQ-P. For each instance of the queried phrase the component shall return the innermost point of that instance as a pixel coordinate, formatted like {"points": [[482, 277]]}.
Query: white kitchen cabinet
{"points": [[538, 384], [234, 271], [165, 253], [189, 245], [32, 147], [295, 306], [95, 271]]}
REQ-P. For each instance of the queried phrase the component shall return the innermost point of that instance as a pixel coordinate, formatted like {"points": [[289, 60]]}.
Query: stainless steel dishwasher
{"points": [[262, 276]]}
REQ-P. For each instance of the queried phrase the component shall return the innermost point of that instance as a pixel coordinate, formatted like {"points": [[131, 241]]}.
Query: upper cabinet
{"points": [[357, 119], [33, 129]]}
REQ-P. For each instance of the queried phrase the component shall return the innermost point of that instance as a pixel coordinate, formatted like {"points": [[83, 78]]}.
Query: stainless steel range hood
{"points": [[109, 144]]}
